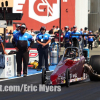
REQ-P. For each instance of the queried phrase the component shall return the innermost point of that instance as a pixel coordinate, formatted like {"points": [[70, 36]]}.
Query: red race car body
{"points": [[73, 64]]}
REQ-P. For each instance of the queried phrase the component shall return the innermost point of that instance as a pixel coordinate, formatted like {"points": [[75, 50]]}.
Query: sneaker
{"points": [[18, 75], [38, 69], [24, 75]]}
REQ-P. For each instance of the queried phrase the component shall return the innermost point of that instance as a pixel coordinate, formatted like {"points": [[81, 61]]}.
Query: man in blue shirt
{"points": [[67, 37], [22, 42], [77, 38], [17, 29], [81, 31], [85, 37], [90, 39], [43, 39], [75, 32]]}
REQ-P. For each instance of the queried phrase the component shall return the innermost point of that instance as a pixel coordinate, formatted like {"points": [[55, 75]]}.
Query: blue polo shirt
{"points": [[90, 39], [15, 31], [75, 36], [67, 35], [23, 37], [81, 32], [86, 37], [43, 37]]}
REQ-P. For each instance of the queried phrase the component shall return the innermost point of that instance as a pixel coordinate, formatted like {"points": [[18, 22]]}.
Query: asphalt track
{"points": [[85, 90]]}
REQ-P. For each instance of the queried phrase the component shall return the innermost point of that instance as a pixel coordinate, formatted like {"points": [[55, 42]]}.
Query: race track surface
{"points": [[85, 90]]}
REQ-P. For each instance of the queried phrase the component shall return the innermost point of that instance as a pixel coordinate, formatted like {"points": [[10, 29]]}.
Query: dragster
{"points": [[74, 65]]}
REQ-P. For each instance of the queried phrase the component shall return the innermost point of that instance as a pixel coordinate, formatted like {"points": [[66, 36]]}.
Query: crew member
{"points": [[22, 42], [90, 39], [81, 31], [85, 37], [67, 37], [75, 32], [43, 40], [17, 29]]}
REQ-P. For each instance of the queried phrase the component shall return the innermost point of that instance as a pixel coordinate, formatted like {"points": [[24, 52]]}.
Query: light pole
{"points": [[4, 17], [60, 28]]}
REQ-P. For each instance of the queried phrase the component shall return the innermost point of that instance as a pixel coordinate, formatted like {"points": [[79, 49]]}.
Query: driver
{"points": [[72, 54]]}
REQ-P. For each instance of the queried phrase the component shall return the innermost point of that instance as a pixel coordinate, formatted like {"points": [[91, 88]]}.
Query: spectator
{"points": [[7, 34], [54, 29], [99, 40], [11, 32], [57, 29], [32, 32], [27, 30]]}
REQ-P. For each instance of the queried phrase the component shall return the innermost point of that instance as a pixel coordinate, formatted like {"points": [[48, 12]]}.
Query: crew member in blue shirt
{"points": [[81, 31], [85, 37], [67, 37], [43, 39], [17, 29], [75, 32], [90, 39], [22, 42]]}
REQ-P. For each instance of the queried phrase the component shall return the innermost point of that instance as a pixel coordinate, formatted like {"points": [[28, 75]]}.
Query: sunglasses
{"points": [[23, 27], [42, 29]]}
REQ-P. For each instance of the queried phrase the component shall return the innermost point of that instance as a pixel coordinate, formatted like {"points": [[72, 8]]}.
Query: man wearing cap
{"points": [[17, 29], [90, 39], [22, 42], [43, 39], [67, 37], [85, 37], [75, 32]]}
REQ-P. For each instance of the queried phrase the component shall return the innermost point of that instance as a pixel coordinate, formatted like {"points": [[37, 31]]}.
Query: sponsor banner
{"points": [[37, 13]]}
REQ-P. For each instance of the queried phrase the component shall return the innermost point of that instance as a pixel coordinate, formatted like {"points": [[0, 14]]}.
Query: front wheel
{"points": [[67, 78], [43, 76]]}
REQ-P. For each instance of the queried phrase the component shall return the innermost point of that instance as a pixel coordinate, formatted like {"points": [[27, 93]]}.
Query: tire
{"points": [[92, 78], [67, 78], [43, 76], [95, 63], [60, 57]]}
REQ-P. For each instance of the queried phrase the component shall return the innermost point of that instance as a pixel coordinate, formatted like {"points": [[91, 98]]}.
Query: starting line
{"points": [[30, 73]]}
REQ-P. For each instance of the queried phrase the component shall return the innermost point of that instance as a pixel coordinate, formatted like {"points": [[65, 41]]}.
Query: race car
{"points": [[70, 67]]}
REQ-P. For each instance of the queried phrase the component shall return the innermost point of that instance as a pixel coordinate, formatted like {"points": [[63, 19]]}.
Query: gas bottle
{"points": [[54, 57]]}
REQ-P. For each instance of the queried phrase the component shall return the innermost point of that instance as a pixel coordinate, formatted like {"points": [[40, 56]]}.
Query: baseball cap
{"points": [[90, 31], [85, 28], [43, 27], [17, 25], [23, 26], [74, 26], [66, 27]]}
